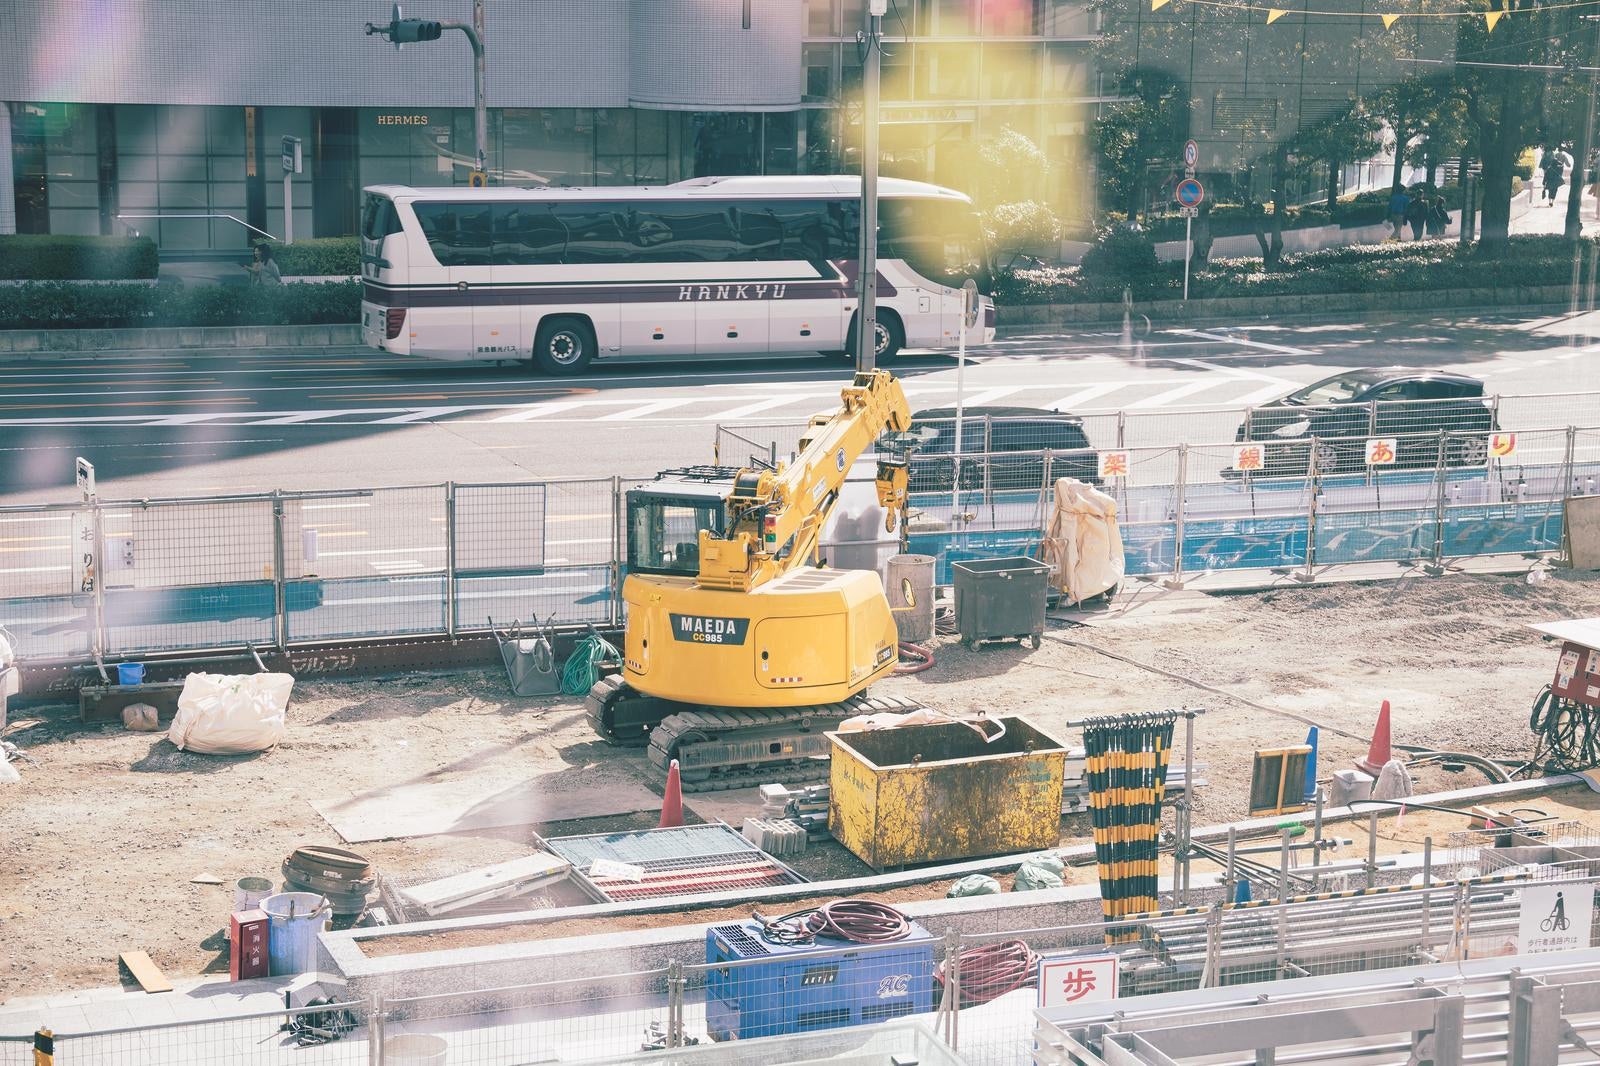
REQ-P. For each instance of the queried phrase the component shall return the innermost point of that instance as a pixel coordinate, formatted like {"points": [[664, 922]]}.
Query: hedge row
{"points": [[51, 257], [1400, 266], [64, 305], [318, 257]]}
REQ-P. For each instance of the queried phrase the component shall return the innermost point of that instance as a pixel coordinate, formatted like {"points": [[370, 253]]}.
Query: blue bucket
{"points": [[295, 919], [130, 673]]}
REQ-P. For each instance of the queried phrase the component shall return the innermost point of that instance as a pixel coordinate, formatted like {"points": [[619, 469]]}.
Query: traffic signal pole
{"points": [[401, 31], [867, 268]]}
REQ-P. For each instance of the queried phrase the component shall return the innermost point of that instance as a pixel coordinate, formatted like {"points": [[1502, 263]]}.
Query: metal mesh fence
{"points": [[247, 1040], [557, 1021]]}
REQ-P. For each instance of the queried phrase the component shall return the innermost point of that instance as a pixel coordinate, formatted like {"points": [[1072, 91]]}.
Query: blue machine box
{"points": [[794, 989]]}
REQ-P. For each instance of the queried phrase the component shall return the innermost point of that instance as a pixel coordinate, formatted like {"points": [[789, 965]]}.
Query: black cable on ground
{"points": [[859, 921], [989, 971], [1567, 733]]}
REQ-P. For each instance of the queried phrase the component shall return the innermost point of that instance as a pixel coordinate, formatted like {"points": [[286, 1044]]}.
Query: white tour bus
{"points": [[708, 267]]}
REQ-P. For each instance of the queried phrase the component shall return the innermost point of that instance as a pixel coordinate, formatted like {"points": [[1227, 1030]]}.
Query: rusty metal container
{"points": [[928, 793]]}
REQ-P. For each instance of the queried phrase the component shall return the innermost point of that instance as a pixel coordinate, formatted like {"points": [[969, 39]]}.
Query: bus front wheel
{"points": [[564, 345]]}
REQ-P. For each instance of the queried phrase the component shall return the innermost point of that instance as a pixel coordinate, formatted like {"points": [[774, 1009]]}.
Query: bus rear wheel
{"points": [[890, 337], [564, 345]]}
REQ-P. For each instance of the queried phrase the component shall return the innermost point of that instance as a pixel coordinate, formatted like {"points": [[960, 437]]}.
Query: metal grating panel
{"points": [[676, 862]]}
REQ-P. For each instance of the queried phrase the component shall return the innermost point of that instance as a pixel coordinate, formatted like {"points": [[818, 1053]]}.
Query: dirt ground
{"points": [[104, 835]]}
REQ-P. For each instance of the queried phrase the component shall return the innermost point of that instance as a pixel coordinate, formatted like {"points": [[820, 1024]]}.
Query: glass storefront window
{"points": [[780, 149], [1067, 71], [725, 143], [1008, 18], [1010, 71], [946, 72], [1065, 18], [818, 62], [949, 18], [820, 20]]}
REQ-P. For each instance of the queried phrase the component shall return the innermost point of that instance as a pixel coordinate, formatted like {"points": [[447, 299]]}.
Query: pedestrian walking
{"points": [[1416, 215], [1554, 173], [1399, 202], [1438, 216], [264, 269]]}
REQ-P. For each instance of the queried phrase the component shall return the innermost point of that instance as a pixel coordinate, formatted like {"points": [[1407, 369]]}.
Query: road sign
{"points": [[969, 303], [1191, 154], [1188, 212], [1554, 918], [1068, 979], [85, 473], [291, 155], [1190, 192]]}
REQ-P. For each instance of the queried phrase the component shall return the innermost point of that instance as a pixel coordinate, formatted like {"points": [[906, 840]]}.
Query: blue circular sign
{"points": [[1190, 192]]}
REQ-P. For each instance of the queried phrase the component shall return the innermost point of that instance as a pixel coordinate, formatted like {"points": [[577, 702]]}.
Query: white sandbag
{"points": [[221, 714], [141, 718], [1083, 542], [892, 720]]}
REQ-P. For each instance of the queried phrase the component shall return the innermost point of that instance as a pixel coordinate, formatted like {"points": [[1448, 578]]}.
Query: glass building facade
{"points": [[203, 178]]}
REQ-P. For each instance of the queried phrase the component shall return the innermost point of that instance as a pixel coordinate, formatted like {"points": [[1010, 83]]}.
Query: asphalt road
{"points": [[259, 420]]}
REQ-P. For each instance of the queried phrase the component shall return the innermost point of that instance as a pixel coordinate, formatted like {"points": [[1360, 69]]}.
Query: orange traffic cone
{"points": [[672, 803], [1378, 752]]}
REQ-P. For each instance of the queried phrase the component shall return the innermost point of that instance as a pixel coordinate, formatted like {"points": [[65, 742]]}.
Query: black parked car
{"points": [[932, 443], [1344, 411]]}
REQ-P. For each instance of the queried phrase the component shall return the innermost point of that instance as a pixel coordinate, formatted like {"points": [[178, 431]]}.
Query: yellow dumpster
{"points": [[926, 793]]}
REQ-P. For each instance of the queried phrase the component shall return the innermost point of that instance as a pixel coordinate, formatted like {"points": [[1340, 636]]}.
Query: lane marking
{"points": [[749, 409], [650, 408], [1072, 401], [425, 414], [543, 410], [1162, 399]]}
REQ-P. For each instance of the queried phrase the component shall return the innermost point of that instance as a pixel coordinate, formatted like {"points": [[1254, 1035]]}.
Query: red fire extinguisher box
{"points": [[247, 944]]}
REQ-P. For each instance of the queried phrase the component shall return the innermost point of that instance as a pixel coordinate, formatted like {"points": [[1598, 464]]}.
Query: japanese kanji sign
{"points": [[1381, 451], [1248, 457], [1113, 464], [1502, 445], [1554, 918], [1068, 979]]}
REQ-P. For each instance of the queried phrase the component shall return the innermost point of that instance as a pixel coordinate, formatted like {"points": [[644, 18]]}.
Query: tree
{"points": [[1147, 129], [1012, 172], [1346, 136], [1015, 228]]}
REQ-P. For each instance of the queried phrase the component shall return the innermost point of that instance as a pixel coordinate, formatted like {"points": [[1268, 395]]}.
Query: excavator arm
{"points": [[776, 517]]}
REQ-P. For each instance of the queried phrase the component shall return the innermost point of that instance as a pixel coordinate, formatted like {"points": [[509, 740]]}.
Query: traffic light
{"points": [[409, 31], [477, 179]]}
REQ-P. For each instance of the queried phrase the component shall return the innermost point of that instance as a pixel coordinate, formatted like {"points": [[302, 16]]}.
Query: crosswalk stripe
{"points": [[1072, 401], [543, 410], [422, 415], [1162, 399], [650, 408]]}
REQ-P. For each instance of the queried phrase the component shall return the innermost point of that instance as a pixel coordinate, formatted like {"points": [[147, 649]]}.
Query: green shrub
{"points": [[318, 257], [64, 305], [1120, 257], [50, 257]]}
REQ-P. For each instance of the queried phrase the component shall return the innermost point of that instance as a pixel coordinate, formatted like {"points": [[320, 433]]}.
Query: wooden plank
{"points": [[104, 703], [475, 885], [147, 973]]}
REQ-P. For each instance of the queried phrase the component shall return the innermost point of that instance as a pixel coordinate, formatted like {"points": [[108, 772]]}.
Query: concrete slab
{"points": [[473, 801]]}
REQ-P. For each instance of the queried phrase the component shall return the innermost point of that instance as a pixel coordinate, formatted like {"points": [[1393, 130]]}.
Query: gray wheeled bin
{"points": [[998, 599]]}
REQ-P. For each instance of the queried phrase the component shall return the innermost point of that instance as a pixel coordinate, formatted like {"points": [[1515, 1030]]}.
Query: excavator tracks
{"points": [[721, 748]]}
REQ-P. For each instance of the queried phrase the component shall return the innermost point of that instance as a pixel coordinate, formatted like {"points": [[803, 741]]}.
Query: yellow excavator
{"points": [[742, 649]]}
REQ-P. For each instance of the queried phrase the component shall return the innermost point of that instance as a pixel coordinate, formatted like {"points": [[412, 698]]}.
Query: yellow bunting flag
{"points": [[1157, 5], [1274, 14], [1490, 18], [1389, 20]]}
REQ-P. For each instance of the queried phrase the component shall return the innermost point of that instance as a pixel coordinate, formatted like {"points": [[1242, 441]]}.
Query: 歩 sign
{"points": [[1502, 445], [1190, 192], [1068, 979], [1381, 451], [1554, 918], [1113, 464]]}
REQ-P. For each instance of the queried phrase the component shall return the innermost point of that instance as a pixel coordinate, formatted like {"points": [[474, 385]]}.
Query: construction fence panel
{"points": [[574, 1021], [367, 564], [43, 601], [246, 1040], [582, 546], [16, 1051], [1548, 409], [186, 574], [753, 986], [1000, 509], [754, 445], [1514, 504], [1146, 485], [1236, 519]]}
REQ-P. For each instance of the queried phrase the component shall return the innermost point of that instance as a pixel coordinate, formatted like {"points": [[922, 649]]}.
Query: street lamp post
{"points": [[402, 31], [867, 273]]}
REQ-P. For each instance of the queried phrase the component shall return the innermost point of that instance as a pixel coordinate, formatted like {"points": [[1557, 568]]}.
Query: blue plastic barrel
{"points": [[130, 673], [295, 920]]}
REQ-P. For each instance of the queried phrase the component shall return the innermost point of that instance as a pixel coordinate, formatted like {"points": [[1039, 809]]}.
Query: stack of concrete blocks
{"points": [[776, 836], [807, 805]]}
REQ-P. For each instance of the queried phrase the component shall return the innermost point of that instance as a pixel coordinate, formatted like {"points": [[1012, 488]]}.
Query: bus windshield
{"points": [[939, 239]]}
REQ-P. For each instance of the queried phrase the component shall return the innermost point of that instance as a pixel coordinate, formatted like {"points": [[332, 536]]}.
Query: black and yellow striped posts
{"points": [[1125, 767], [44, 1048]]}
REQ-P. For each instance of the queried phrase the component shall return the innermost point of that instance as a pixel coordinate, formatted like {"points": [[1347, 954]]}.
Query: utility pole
{"points": [[867, 267], [402, 31]]}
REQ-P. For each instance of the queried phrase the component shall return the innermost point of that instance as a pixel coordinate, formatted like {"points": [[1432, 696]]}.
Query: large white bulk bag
{"points": [[223, 714], [1084, 541]]}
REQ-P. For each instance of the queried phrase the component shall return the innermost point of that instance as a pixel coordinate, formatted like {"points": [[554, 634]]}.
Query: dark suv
{"points": [[1344, 411], [932, 441]]}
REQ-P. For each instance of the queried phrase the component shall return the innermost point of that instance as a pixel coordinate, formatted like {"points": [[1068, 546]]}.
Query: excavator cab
{"points": [[665, 518]]}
